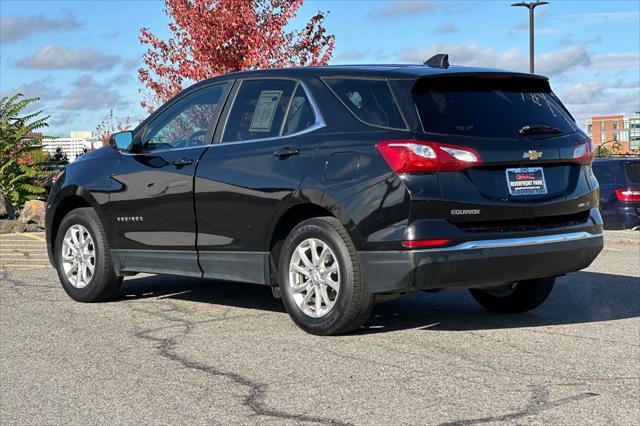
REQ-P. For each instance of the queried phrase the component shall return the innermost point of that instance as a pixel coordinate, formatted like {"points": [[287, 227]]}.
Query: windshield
{"points": [[490, 107]]}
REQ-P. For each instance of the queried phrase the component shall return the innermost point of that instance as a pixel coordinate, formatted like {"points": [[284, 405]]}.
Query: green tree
{"points": [[20, 155], [60, 157], [602, 152]]}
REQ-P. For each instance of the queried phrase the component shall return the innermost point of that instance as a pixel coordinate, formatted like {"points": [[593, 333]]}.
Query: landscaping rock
{"points": [[33, 213], [6, 208], [33, 227], [12, 226]]}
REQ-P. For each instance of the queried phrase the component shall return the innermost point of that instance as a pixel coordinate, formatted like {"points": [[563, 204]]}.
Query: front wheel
{"points": [[516, 297], [83, 260], [320, 280]]}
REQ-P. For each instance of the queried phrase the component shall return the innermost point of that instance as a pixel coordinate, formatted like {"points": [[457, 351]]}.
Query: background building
{"points": [[74, 146], [615, 128], [81, 134]]}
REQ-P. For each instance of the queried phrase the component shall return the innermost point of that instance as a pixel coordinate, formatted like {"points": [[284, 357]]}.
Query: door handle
{"points": [[181, 162], [285, 153]]}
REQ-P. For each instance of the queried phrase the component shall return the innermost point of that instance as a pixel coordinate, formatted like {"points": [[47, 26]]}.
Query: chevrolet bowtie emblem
{"points": [[532, 155]]}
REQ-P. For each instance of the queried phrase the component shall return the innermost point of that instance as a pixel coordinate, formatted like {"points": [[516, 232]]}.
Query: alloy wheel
{"points": [[78, 256], [314, 277]]}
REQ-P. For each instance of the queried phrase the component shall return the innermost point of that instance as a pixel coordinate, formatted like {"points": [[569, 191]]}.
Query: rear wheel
{"points": [[320, 280], [83, 260], [515, 298]]}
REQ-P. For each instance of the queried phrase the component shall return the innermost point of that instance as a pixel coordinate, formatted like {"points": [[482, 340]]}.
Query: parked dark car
{"points": [[619, 180], [339, 186]]}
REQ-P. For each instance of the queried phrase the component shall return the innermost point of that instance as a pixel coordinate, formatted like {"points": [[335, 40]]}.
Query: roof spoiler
{"points": [[440, 60]]}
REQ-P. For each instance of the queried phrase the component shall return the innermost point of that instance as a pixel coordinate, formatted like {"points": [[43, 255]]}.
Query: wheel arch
{"points": [[68, 199], [295, 213]]}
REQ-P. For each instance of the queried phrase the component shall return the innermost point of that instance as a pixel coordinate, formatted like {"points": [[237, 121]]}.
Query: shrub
{"points": [[20, 153]]}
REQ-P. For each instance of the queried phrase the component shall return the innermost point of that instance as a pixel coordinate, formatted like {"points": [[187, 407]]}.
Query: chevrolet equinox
{"points": [[339, 186]]}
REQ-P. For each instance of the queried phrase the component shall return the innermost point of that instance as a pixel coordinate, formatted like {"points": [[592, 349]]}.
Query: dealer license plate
{"points": [[526, 181]]}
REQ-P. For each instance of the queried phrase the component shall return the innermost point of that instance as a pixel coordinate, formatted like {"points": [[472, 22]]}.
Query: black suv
{"points": [[338, 186]]}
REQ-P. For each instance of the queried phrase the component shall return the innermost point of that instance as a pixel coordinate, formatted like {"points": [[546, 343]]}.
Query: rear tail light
{"points": [[628, 195], [412, 156], [584, 153], [424, 243]]}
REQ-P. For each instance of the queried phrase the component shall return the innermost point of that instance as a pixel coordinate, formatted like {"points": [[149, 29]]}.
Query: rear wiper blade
{"points": [[538, 129]]}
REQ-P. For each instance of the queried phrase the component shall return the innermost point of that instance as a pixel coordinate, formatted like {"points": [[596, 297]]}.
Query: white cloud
{"points": [[36, 89], [562, 60], [51, 56], [473, 54], [16, 28], [90, 95], [616, 61], [621, 84], [470, 54], [584, 92], [606, 104], [446, 29]]}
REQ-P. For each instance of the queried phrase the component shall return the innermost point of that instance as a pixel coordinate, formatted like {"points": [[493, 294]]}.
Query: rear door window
{"points": [[488, 107], [259, 110], [633, 172], [370, 100]]}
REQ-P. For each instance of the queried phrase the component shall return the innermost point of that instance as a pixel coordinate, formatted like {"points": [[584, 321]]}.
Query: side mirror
{"points": [[121, 141]]}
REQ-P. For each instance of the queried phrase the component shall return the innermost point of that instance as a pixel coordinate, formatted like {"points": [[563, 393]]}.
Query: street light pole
{"points": [[530, 6]]}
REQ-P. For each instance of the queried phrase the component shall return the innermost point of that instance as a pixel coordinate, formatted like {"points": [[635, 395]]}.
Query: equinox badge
{"points": [[532, 155]]}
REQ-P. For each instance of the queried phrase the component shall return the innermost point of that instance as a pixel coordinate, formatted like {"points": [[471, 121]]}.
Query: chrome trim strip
{"points": [[516, 242]]}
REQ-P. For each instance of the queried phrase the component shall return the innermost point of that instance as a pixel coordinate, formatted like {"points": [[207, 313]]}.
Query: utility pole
{"points": [[530, 6]]}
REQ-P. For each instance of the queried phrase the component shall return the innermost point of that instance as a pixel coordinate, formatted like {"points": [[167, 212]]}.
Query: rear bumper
{"points": [[480, 263]]}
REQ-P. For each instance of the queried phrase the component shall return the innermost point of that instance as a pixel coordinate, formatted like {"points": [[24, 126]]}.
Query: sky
{"points": [[81, 57]]}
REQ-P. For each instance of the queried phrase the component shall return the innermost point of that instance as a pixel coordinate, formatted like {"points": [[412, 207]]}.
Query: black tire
{"points": [[104, 283], [352, 304], [524, 296]]}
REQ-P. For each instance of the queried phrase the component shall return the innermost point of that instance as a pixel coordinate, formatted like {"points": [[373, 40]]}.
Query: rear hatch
{"points": [[531, 150]]}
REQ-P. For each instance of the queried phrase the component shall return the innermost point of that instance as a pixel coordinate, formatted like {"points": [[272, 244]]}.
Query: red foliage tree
{"points": [[106, 128], [212, 37]]}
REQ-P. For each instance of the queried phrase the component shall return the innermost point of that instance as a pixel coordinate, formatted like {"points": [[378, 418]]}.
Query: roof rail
{"points": [[440, 60]]}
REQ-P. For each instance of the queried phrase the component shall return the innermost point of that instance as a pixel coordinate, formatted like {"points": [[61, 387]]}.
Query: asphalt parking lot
{"points": [[191, 351]]}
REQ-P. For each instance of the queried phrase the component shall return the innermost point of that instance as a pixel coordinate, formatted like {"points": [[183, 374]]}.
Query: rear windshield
{"points": [[633, 172], [603, 174], [488, 107]]}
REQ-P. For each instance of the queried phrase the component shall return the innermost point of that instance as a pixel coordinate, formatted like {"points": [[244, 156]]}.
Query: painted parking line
{"points": [[23, 256], [23, 244], [34, 236], [23, 252], [23, 266]]}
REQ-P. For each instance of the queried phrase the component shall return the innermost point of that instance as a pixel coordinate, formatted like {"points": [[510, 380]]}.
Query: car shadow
{"points": [[582, 297], [241, 295]]}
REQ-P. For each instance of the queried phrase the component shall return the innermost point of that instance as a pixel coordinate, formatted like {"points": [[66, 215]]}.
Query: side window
{"points": [[300, 115], [258, 110], [604, 175], [186, 123], [368, 99]]}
